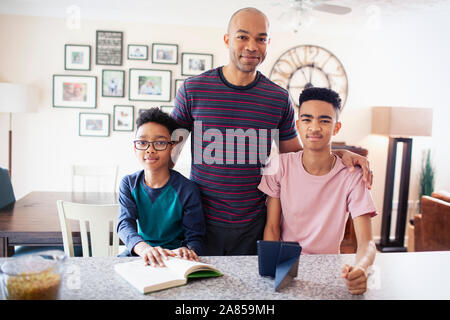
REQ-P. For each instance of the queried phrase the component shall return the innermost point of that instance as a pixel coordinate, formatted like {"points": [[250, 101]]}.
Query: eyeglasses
{"points": [[157, 145]]}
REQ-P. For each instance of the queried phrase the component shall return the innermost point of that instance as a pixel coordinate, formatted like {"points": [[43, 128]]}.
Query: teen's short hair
{"points": [[322, 94], [158, 116]]}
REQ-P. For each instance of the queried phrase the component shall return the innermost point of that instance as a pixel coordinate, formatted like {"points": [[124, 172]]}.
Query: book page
{"points": [[183, 267], [148, 278]]}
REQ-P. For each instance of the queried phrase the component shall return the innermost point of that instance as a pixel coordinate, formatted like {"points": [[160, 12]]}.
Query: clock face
{"points": [[308, 66]]}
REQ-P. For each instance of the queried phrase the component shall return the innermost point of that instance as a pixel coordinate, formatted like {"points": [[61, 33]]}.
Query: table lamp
{"points": [[16, 98], [399, 123]]}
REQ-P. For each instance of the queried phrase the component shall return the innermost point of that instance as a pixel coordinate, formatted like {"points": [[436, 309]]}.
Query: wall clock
{"points": [[307, 66]]}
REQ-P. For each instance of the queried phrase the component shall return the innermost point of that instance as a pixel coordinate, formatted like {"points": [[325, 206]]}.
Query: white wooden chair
{"points": [[99, 218], [94, 178]]}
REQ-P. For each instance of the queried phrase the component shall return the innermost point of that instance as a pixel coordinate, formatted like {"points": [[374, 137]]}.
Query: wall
{"points": [[398, 64]]}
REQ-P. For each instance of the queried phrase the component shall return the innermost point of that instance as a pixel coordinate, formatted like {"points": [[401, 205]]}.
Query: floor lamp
{"points": [[16, 98], [399, 123]]}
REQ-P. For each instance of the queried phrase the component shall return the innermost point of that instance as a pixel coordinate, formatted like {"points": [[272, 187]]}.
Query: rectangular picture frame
{"points": [[94, 124], [149, 85], [166, 109], [109, 48], [164, 53], [193, 64], [137, 52], [123, 118], [178, 84], [77, 57], [74, 91], [113, 83]]}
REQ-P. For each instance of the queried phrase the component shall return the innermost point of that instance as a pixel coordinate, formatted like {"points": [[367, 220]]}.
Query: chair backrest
{"points": [[435, 228], [99, 218], [94, 178], [6, 190]]}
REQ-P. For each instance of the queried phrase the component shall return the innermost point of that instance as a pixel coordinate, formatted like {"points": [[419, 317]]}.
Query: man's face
{"points": [[247, 40], [316, 124], [152, 159]]}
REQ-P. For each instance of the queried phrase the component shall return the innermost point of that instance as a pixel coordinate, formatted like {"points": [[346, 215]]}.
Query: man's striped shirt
{"points": [[226, 161]]}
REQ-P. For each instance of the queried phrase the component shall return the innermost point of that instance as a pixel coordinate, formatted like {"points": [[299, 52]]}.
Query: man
{"points": [[237, 102]]}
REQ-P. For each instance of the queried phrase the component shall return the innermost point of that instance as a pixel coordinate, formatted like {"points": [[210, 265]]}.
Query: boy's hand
{"points": [[185, 253], [355, 278], [351, 159], [153, 255]]}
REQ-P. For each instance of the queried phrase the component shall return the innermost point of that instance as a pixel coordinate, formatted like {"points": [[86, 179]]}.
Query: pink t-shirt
{"points": [[314, 208]]}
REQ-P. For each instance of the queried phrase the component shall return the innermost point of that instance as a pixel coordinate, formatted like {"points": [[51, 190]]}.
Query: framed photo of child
{"points": [[123, 118], [113, 83], [77, 57], [74, 91]]}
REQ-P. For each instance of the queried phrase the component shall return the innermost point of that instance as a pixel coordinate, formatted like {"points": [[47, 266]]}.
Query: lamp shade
{"points": [[17, 97], [402, 121]]}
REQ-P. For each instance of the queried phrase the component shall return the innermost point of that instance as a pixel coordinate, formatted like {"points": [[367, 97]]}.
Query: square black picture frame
{"points": [[80, 52]]}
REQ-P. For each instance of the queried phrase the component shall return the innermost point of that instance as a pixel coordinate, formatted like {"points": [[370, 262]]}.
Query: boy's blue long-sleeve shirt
{"points": [[170, 217]]}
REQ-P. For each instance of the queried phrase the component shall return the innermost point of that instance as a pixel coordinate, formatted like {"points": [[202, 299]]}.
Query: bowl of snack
{"points": [[32, 277]]}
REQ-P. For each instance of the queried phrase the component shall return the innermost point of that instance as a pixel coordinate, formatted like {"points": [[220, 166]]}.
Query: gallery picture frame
{"points": [[123, 118], [113, 83], [193, 64], [77, 57], [166, 109], [178, 84], [108, 48], [74, 91], [164, 53], [132, 53], [92, 124], [149, 85]]}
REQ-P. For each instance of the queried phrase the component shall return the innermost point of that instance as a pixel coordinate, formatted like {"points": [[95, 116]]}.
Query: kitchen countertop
{"points": [[421, 275]]}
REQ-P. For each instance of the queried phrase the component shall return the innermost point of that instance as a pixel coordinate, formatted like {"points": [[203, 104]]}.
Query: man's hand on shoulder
{"points": [[351, 159]]}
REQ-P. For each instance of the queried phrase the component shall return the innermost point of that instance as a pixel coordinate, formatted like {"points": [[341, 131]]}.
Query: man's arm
{"points": [[272, 229], [180, 137], [291, 145], [356, 276], [351, 159]]}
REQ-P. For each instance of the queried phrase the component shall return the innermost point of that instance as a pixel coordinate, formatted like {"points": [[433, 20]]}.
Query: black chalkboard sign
{"points": [[109, 48]]}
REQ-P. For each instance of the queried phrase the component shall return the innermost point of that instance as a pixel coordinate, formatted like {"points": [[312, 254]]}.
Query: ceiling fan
{"points": [[297, 12], [318, 5]]}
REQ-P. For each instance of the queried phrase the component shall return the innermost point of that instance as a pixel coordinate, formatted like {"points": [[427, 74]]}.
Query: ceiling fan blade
{"points": [[331, 8]]}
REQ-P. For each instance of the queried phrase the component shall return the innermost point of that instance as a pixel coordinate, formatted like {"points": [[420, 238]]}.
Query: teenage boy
{"points": [[311, 191], [160, 210]]}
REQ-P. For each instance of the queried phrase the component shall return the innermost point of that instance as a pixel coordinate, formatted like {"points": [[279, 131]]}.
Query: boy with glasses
{"points": [[160, 210]]}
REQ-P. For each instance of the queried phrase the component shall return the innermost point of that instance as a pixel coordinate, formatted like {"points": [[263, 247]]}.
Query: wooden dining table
{"points": [[33, 220]]}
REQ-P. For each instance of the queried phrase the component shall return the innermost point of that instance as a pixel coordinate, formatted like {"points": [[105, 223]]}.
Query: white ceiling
{"points": [[213, 13]]}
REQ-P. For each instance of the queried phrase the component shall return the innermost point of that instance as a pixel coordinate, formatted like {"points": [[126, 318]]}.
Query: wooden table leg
{"points": [[5, 249]]}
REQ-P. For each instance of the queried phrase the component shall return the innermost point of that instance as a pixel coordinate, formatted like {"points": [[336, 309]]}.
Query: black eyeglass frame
{"points": [[152, 143]]}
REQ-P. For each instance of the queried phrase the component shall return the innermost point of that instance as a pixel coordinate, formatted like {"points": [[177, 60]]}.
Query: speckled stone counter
{"points": [[393, 276]]}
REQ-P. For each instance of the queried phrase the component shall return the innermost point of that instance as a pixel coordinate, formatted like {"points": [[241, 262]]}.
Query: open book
{"points": [[177, 271]]}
